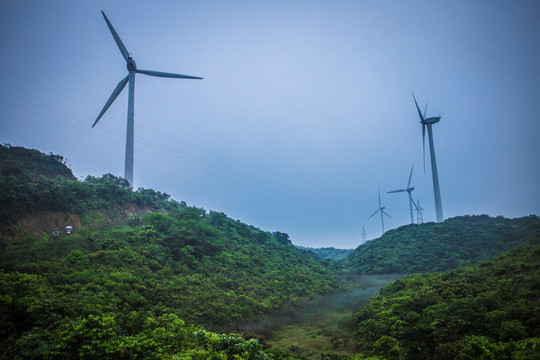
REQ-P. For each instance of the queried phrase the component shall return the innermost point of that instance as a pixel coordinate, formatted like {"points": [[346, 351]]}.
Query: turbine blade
{"points": [[425, 110], [167, 75], [376, 211], [418, 108], [410, 177], [396, 191], [384, 212], [113, 97], [379, 191], [119, 42]]}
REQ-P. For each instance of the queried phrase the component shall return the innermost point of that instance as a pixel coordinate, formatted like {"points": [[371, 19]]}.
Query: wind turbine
{"points": [[427, 122], [408, 189], [381, 209], [132, 70]]}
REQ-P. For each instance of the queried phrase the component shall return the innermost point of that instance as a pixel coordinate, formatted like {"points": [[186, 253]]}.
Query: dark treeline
{"points": [[434, 247], [31, 181]]}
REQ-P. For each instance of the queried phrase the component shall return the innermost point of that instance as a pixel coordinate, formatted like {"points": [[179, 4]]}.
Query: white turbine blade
{"points": [[167, 75], [396, 191], [418, 108], [376, 211], [113, 97], [410, 177], [379, 191], [384, 212], [119, 42]]}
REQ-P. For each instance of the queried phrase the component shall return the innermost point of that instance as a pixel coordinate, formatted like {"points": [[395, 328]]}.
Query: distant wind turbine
{"points": [[132, 69], [436, 188], [381, 209], [408, 189]]}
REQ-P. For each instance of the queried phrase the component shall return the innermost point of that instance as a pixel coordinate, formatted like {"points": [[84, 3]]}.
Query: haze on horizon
{"points": [[305, 110]]}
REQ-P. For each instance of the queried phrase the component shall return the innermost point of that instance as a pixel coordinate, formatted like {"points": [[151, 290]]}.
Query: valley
{"points": [[326, 324]]}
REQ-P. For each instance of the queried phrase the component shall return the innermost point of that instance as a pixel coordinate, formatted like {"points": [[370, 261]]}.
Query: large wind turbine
{"points": [[381, 209], [408, 189], [132, 69], [427, 122]]}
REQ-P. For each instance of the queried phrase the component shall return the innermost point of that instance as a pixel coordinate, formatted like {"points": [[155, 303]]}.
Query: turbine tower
{"points": [[408, 189], [132, 70], [427, 122], [381, 209]]}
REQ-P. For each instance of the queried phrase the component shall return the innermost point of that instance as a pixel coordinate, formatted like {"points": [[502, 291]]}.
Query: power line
{"points": [[69, 117]]}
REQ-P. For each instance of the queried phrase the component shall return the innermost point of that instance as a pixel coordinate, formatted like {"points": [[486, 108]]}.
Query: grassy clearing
{"points": [[324, 331], [328, 324]]}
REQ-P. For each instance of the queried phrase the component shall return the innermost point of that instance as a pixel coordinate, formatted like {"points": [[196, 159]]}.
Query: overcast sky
{"points": [[305, 110]]}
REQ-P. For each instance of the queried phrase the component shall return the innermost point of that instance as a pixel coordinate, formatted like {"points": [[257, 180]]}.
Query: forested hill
{"points": [[489, 310], [118, 289], [31, 181], [433, 247]]}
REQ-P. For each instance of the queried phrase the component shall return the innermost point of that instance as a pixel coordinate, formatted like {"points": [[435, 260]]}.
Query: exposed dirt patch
{"points": [[41, 222], [44, 222]]}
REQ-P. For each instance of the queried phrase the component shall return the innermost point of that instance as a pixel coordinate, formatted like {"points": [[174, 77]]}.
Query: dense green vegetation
{"points": [[31, 181], [162, 283], [129, 290], [443, 246], [489, 310]]}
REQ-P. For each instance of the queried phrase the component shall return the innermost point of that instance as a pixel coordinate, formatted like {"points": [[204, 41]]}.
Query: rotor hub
{"points": [[131, 64]]}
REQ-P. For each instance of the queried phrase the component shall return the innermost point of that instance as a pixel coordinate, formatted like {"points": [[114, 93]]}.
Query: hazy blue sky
{"points": [[305, 109]]}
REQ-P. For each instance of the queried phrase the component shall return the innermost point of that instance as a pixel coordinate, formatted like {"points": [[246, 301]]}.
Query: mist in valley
{"points": [[343, 304]]}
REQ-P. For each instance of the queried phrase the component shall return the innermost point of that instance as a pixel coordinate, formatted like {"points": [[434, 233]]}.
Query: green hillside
{"points": [[31, 181], [128, 290], [433, 247], [143, 276], [489, 310]]}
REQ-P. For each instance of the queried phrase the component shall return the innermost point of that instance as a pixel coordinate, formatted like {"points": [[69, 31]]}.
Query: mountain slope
{"points": [[441, 246], [120, 287], [489, 310]]}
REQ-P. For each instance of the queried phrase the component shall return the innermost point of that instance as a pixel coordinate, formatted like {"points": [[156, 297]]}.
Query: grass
{"points": [[328, 324], [325, 331]]}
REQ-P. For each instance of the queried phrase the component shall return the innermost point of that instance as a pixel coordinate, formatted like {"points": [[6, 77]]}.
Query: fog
{"points": [[350, 300]]}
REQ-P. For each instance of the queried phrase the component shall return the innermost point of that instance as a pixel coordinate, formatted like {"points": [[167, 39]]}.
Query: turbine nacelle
{"points": [[431, 120]]}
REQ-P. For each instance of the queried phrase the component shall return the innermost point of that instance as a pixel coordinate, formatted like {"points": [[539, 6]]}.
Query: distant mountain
{"points": [[136, 263], [328, 253], [443, 246], [488, 310]]}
